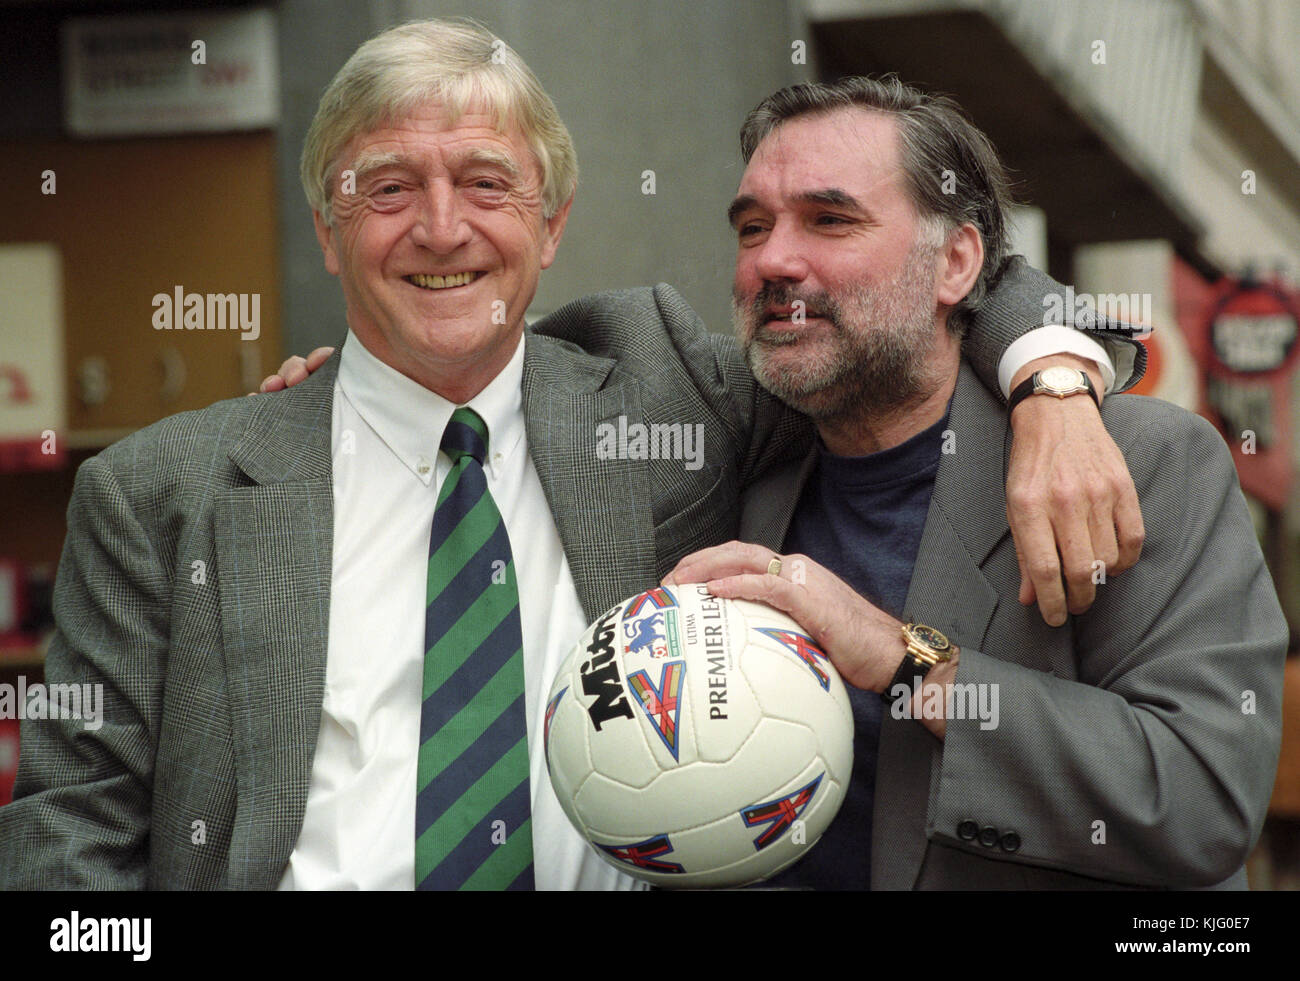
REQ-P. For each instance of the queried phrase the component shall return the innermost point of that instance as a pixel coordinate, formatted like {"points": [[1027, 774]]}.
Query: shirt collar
{"points": [[410, 419]]}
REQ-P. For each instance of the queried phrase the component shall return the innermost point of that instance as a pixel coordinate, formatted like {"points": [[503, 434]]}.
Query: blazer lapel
{"points": [[967, 518], [769, 503], [603, 508], [274, 540]]}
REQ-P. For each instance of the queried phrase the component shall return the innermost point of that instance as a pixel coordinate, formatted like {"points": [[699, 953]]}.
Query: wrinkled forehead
{"points": [[441, 110], [849, 147]]}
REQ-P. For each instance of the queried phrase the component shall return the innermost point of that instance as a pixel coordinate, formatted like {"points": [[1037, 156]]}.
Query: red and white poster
{"points": [[32, 410], [1244, 335]]}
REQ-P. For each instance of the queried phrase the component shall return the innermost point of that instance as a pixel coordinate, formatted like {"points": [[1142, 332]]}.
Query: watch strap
{"points": [[907, 671], [1026, 389]]}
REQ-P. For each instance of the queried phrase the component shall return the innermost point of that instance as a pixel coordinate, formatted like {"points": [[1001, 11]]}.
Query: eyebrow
{"points": [[495, 158], [742, 203], [367, 162], [835, 197]]}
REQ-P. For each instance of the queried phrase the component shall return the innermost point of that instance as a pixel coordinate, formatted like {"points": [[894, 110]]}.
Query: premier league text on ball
{"points": [[696, 741]]}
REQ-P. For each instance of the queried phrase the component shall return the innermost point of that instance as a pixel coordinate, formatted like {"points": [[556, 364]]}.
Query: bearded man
{"points": [[1134, 745]]}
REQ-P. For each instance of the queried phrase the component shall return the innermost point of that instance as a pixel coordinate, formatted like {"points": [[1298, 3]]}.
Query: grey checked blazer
{"points": [[1131, 714], [195, 582]]}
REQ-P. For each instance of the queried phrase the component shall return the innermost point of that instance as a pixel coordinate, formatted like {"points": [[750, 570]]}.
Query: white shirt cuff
{"points": [[1054, 339]]}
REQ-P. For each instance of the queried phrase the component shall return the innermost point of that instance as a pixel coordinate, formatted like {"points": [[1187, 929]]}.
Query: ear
{"points": [[961, 258], [324, 236], [553, 232]]}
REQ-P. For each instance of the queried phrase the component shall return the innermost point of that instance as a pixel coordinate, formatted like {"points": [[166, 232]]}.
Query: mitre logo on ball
{"points": [[698, 741]]}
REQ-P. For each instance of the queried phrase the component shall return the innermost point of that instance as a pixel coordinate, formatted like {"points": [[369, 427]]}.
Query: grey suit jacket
{"points": [[195, 586], [1137, 744], [195, 582]]}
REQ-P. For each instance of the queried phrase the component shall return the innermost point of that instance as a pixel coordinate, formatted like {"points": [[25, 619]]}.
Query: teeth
{"points": [[441, 282]]}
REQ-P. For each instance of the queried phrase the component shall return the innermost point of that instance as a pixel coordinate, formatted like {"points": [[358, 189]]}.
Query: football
{"points": [[698, 742]]}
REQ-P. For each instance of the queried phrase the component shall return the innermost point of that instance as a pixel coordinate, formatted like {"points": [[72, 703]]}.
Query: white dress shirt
{"points": [[1115, 359], [359, 828]]}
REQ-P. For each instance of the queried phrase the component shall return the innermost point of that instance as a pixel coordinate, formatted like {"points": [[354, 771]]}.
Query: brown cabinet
{"points": [[136, 219]]}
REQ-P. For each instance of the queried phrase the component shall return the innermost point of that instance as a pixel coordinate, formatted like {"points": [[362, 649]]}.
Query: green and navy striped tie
{"points": [[472, 824]]}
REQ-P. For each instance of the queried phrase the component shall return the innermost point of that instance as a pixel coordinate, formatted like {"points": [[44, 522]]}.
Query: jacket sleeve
{"points": [[766, 433], [1018, 302], [81, 810], [1155, 764]]}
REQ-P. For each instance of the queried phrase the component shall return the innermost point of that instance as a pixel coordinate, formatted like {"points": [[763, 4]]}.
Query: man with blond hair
{"points": [[399, 551]]}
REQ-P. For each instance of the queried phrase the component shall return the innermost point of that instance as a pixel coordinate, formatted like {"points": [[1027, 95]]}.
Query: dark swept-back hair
{"points": [[936, 137]]}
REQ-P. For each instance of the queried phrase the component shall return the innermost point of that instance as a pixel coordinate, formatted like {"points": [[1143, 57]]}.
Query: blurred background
{"points": [[150, 153]]}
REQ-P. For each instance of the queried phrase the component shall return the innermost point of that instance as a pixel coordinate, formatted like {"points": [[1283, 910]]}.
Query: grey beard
{"points": [[879, 347]]}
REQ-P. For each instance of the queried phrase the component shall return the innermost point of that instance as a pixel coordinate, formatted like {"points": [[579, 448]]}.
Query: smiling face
{"points": [[440, 247], [826, 228]]}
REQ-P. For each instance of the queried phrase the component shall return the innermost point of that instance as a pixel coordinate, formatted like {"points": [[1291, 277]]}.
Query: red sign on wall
{"points": [[1247, 340]]}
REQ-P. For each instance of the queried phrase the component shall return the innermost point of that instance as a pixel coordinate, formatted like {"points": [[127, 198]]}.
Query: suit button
{"points": [[988, 836], [967, 830], [1010, 842]]}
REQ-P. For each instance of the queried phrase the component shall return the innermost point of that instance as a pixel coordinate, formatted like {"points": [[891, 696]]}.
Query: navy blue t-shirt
{"points": [[862, 518]]}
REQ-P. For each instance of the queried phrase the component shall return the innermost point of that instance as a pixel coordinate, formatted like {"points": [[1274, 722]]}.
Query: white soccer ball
{"points": [[696, 741]]}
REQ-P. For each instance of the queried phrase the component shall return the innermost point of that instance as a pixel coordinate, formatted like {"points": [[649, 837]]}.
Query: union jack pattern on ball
{"points": [[782, 813], [644, 854], [662, 704], [659, 598], [803, 647]]}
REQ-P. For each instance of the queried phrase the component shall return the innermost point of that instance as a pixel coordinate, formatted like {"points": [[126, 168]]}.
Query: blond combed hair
{"points": [[457, 64]]}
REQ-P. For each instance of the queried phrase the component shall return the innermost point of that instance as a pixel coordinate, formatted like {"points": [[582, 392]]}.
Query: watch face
{"points": [[929, 637], [1061, 379]]}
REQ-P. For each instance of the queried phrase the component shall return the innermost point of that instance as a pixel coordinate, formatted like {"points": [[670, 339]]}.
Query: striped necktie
{"points": [[472, 824]]}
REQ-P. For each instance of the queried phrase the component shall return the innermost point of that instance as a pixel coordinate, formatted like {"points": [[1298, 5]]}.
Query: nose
{"points": [[780, 257], [442, 226]]}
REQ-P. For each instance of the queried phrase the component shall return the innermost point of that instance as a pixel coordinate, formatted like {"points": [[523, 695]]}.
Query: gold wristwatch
{"points": [[926, 647]]}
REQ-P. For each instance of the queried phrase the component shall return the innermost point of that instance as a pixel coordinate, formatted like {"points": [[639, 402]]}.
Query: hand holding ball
{"points": [[698, 741]]}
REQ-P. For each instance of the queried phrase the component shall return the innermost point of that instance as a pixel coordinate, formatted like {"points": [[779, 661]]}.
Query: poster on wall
{"points": [[1246, 343], [32, 406], [128, 74]]}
